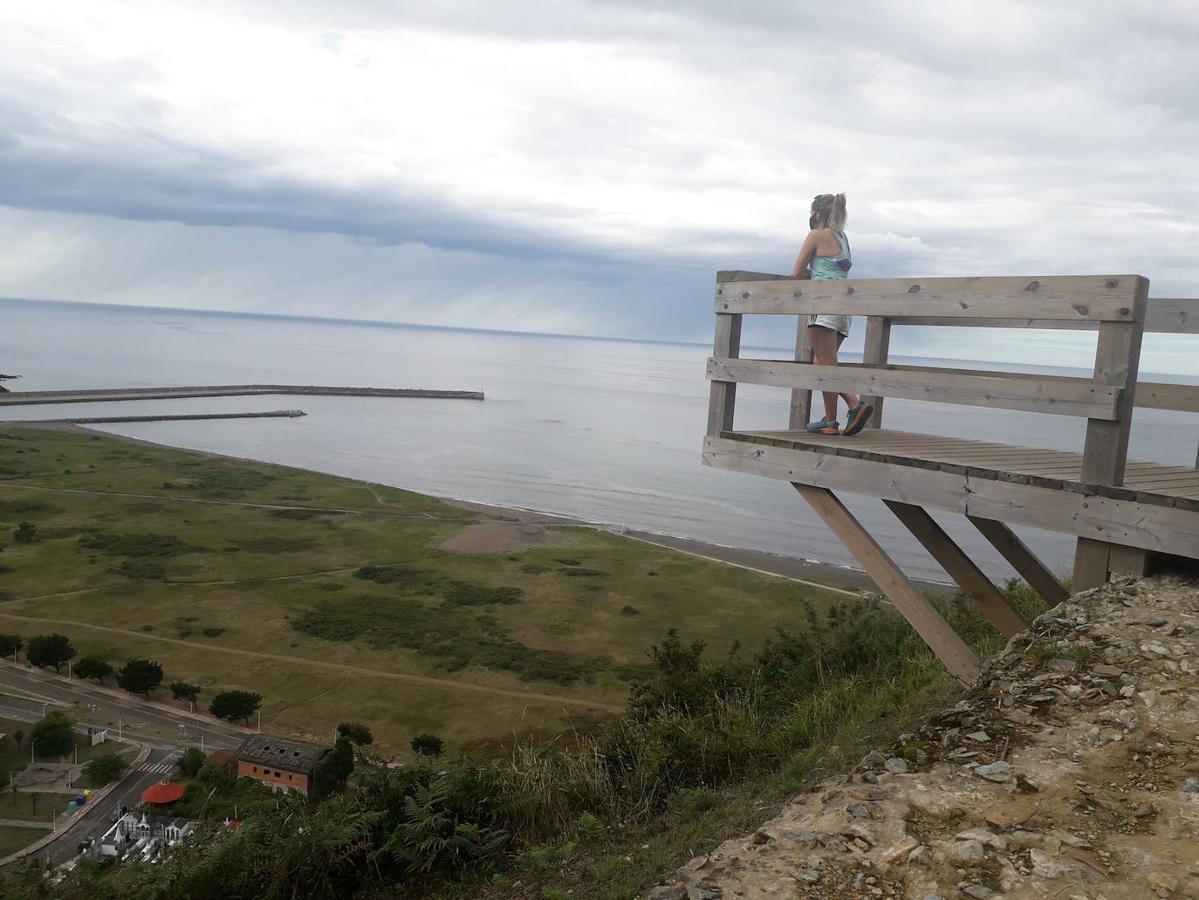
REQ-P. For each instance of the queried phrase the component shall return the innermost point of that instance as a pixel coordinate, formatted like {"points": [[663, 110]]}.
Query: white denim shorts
{"points": [[836, 323]]}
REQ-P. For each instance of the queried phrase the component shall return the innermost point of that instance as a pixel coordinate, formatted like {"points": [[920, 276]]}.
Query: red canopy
{"points": [[163, 792]]}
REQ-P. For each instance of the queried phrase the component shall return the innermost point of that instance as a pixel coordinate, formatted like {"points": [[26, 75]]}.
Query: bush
{"points": [[25, 533], [11, 644], [429, 745], [138, 545], [100, 770], [190, 762], [53, 735], [91, 667], [49, 650], [233, 705], [141, 570], [463, 593], [181, 690], [357, 733], [448, 632], [139, 676]]}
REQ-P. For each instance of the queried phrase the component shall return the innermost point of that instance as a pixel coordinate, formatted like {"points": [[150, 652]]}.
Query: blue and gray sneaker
{"points": [[857, 418], [824, 426]]}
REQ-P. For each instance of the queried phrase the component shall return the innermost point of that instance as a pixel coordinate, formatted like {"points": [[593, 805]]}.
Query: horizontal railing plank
{"points": [[1044, 394], [1162, 316], [1098, 298], [1127, 522], [1158, 395]]}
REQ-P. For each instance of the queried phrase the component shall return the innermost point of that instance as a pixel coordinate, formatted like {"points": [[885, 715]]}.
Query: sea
{"points": [[606, 431]]}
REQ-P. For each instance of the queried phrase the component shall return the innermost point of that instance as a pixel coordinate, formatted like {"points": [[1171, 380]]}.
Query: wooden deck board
{"points": [[1147, 481]]}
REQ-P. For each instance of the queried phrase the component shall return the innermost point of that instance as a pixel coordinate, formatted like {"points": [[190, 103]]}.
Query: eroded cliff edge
{"points": [[1071, 771]]}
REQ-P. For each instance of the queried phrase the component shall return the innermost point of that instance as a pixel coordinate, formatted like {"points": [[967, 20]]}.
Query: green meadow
{"points": [[333, 599]]}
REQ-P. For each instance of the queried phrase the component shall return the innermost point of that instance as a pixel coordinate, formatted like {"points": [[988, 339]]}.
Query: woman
{"points": [[825, 254]]}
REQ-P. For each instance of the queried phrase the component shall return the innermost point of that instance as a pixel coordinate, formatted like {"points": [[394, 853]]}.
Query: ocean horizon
{"points": [[602, 429]]}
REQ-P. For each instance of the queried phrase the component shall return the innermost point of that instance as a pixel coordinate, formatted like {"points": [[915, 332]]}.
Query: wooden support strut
{"points": [[1105, 452], [875, 352], [961, 661], [1023, 560], [958, 566]]}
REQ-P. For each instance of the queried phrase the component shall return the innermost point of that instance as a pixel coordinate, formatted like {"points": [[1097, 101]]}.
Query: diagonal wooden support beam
{"points": [[961, 661], [960, 567], [1023, 560]]}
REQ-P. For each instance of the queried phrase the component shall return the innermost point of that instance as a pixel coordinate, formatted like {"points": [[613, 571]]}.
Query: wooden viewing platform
{"points": [[1121, 512]]}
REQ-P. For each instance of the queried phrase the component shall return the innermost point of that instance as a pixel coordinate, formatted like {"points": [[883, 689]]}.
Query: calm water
{"points": [[606, 431]]}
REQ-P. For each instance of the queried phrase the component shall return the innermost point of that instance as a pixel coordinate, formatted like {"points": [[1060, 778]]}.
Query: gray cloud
{"points": [[654, 145]]}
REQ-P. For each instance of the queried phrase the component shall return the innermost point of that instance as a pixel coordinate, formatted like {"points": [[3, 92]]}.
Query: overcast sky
{"points": [[581, 166]]}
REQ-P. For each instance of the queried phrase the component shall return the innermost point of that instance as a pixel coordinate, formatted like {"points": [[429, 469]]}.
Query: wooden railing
{"points": [[1116, 306]]}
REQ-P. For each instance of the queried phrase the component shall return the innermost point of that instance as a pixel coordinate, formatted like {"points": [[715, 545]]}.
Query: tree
{"points": [[357, 733], [25, 533], [49, 650], [105, 768], [52, 736], [181, 690], [335, 767], [10, 645], [232, 705], [191, 761], [429, 745], [91, 667], [139, 676]]}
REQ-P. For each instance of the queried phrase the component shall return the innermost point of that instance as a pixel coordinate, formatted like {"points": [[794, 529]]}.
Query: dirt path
{"points": [[448, 684]]}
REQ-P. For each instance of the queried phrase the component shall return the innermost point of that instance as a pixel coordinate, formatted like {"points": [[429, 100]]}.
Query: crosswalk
{"points": [[162, 768]]}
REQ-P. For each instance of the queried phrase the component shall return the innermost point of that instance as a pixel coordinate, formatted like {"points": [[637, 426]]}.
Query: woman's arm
{"points": [[806, 252]]}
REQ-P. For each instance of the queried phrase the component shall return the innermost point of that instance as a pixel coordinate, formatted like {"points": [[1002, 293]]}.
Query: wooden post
{"points": [[875, 352], [960, 567], [723, 396], [1117, 362], [801, 398], [1023, 560], [961, 661]]}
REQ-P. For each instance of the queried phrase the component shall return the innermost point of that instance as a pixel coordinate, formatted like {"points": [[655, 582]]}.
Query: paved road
{"points": [[167, 734], [92, 706]]}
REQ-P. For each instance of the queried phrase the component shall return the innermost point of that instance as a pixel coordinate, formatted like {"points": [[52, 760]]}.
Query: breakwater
{"points": [[93, 395], [103, 420]]}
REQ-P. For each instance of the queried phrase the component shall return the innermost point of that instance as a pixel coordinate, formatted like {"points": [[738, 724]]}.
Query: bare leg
{"points": [[825, 344]]}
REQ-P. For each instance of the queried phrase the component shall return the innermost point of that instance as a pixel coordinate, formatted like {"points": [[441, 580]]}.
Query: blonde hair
{"points": [[828, 211]]}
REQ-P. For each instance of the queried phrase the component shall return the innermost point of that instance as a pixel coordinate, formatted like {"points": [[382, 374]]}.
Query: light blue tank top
{"points": [[825, 267]]}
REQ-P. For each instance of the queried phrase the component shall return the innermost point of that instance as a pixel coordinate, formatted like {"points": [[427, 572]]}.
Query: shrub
{"points": [[190, 762], [141, 570], [181, 690], [138, 545], [25, 533], [233, 705], [11, 644], [53, 736], [139, 676], [49, 650], [357, 733], [102, 769], [91, 667], [463, 593], [429, 745]]}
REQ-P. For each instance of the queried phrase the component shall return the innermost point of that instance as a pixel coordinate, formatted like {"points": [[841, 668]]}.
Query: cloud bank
{"points": [[580, 165]]}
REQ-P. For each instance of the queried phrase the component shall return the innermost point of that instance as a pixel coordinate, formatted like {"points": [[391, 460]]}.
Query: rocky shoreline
{"points": [[1071, 771]]}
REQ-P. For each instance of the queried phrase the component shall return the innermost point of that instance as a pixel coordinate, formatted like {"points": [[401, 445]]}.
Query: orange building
{"points": [[280, 763]]}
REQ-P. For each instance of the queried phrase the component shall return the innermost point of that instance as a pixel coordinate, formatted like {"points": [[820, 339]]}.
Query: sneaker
{"points": [[824, 426], [858, 417]]}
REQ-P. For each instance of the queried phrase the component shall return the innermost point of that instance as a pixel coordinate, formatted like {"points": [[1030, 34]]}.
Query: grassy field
{"points": [[13, 838], [333, 600]]}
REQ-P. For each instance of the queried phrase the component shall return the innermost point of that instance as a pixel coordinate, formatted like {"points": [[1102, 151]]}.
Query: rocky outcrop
{"points": [[1071, 771]]}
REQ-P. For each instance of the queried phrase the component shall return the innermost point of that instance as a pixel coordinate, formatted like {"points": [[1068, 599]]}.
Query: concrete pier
{"points": [[108, 395]]}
